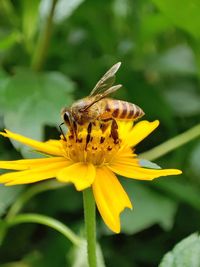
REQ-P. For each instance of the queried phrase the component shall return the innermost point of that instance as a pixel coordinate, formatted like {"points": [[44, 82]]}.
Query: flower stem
{"points": [[172, 144], [90, 225], [42, 44], [48, 221]]}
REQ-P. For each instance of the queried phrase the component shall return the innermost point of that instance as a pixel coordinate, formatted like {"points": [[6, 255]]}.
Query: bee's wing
{"points": [[109, 91], [106, 81], [98, 97]]}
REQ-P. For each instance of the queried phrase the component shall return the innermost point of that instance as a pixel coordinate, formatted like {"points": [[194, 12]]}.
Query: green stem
{"points": [[29, 193], [48, 221], [172, 144], [43, 41], [90, 225]]}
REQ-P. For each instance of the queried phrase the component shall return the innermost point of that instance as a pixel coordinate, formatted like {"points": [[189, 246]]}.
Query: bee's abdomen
{"points": [[124, 110]]}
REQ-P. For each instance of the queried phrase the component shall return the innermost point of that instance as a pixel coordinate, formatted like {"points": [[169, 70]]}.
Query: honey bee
{"points": [[98, 107]]}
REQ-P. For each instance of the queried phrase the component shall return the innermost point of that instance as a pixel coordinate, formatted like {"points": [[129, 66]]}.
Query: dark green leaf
{"points": [[15, 264], [3, 230], [8, 196]]}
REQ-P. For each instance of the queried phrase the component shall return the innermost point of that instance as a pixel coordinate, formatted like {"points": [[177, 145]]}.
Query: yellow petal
{"points": [[110, 197], [125, 158], [125, 152], [139, 131], [33, 175], [130, 170], [45, 147], [24, 164], [124, 127], [80, 174]]}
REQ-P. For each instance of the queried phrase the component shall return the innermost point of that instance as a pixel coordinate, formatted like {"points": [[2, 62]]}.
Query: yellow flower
{"points": [[94, 164]]}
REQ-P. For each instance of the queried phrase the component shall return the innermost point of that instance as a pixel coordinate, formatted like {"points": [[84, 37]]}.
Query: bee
{"points": [[99, 107]]}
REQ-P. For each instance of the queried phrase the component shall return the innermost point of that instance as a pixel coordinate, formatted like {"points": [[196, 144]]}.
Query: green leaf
{"points": [[79, 256], [33, 100], [153, 25], [3, 230], [15, 264], [30, 14], [3, 83], [184, 254], [181, 190], [8, 196], [184, 98], [63, 10], [148, 164], [54, 203], [182, 13], [194, 161], [177, 60], [9, 40], [149, 208]]}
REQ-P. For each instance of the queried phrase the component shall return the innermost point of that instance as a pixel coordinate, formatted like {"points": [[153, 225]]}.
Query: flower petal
{"points": [[139, 131], [124, 127], [33, 175], [45, 147], [111, 199], [24, 164], [130, 170], [80, 174]]}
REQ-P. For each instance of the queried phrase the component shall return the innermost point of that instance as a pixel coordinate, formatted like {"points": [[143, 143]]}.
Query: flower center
{"points": [[94, 144]]}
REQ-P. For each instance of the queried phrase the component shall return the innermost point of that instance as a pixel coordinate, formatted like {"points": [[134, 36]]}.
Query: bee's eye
{"points": [[66, 117]]}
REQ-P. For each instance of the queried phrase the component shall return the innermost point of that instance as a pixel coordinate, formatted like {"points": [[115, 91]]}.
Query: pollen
{"points": [[97, 147]]}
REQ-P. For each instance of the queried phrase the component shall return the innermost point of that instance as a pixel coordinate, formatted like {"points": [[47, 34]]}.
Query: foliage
{"points": [[53, 52], [185, 253]]}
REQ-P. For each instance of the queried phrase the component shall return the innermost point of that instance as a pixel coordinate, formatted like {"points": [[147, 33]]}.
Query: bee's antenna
{"points": [[61, 130]]}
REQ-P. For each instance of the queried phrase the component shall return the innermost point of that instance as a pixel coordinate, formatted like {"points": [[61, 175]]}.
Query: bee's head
{"points": [[66, 116]]}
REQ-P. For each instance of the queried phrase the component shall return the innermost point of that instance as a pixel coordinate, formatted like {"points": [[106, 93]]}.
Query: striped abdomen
{"points": [[120, 110]]}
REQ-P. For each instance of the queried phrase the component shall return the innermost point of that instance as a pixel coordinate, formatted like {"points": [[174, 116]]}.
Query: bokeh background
{"points": [[52, 53]]}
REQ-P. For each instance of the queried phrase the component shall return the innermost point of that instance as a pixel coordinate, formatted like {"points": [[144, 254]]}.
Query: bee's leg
{"points": [[114, 128], [114, 131], [105, 124], [88, 137], [75, 130], [61, 131]]}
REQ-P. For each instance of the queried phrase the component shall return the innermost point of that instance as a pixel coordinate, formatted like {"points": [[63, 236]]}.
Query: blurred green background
{"points": [[53, 52]]}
